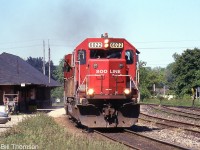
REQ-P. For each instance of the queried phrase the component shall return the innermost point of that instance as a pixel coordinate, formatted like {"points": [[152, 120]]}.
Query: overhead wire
{"points": [[20, 47], [164, 47], [13, 42], [176, 41], [59, 43]]}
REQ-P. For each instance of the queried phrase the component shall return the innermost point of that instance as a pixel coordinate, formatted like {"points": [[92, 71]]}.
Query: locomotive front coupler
{"points": [[109, 113], [84, 101]]}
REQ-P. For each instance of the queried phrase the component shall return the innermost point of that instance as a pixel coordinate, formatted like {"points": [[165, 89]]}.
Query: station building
{"points": [[22, 83]]}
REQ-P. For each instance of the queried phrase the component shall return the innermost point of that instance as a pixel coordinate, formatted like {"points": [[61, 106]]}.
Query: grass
{"points": [[173, 102], [42, 132]]}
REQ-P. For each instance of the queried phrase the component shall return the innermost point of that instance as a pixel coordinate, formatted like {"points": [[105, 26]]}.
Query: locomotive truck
{"points": [[101, 83]]}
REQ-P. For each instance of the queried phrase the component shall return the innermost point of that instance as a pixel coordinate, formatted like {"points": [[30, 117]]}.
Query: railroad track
{"points": [[161, 122], [197, 109], [182, 111], [139, 142], [173, 112], [194, 109]]}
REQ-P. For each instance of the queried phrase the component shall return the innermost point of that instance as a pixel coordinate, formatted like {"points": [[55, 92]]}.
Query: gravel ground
{"points": [[192, 111], [14, 120], [59, 112], [151, 111], [172, 135]]}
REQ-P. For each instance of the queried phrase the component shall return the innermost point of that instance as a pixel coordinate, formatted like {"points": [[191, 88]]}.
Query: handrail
{"points": [[131, 79], [79, 71], [93, 75], [90, 75]]}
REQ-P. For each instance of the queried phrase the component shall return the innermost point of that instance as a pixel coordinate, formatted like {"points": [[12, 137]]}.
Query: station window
{"points": [[82, 56], [129, 56]]}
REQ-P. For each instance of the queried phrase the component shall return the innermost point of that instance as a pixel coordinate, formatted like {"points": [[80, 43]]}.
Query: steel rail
{"points": [[181, 111], [184, 107], [114, 139], [184, 123], [158, 141], [141, 142], [191, 117], [195, 132]]}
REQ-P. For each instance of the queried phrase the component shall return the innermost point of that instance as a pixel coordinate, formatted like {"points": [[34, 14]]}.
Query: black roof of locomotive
{"points": [[15, 71]]}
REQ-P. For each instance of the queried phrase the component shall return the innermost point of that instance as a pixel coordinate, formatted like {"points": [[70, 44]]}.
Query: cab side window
{"points": [[129, 57], [82, 56], [67, 66]]}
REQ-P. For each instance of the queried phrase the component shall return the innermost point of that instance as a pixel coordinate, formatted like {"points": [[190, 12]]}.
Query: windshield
{"points": [[114, 53]]}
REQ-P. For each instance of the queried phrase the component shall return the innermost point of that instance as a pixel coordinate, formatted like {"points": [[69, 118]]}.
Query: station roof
{"points": [[16, 71]]}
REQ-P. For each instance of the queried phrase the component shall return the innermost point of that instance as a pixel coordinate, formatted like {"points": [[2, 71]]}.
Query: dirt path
{"points": [[14, 120], [63, 120], [59, 112]]}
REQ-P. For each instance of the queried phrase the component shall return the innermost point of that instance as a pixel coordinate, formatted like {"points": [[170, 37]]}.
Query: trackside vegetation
{"points": [[186, 102], [181, 78], [42, 132]]}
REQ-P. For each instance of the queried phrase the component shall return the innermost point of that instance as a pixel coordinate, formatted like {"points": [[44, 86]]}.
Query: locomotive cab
{"points": [[101, 83]]}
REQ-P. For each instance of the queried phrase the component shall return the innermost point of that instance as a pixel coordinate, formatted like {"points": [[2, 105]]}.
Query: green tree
{"points": [[169, 77], [157, 77], [38, 64], [58, 72], [149, 77], [58, 75], [186, 71], [144, 81]]}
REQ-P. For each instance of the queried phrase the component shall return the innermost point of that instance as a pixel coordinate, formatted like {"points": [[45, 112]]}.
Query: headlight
{"points": [[90, 92], [127, 91], [106, 45]]}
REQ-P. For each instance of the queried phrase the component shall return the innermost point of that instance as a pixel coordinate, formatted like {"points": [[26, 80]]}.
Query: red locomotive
{"points": [[101, 83]]}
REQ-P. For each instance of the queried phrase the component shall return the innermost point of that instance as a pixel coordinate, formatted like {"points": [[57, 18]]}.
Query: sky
{"points": [[157, 28]]}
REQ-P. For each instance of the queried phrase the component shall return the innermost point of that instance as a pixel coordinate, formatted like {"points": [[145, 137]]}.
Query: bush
{"points": [[187, 97], [144, 93]]}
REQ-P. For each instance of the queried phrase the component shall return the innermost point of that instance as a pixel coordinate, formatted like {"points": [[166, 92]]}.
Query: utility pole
{"points": [[49, 62], [43, 57], [164, 90], [154, 89]]}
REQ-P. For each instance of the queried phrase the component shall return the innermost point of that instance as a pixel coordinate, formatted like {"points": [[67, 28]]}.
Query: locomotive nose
{"points": [[107, 79]]}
